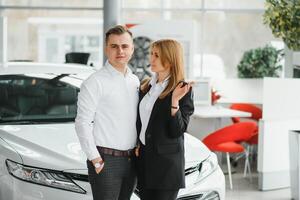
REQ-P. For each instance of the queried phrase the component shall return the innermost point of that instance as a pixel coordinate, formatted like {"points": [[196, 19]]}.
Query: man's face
{"points": [[119, 49]]}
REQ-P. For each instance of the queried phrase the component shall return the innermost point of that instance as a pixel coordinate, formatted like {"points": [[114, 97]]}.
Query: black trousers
{"points": [[116, 181], [157, 194], [149, 193]]}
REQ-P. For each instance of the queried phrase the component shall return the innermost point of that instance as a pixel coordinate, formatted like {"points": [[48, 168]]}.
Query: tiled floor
{"points": [[243, 189]]}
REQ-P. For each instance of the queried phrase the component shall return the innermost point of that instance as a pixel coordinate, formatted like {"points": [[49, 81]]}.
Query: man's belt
{"points": [[115, 152]]}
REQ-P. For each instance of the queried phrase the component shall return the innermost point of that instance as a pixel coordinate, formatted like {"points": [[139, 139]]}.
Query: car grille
{"points": [[193, 169], [78, 177], [191, 197]]}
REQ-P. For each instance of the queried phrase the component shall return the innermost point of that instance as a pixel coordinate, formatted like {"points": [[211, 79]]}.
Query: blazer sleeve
{"points": [[178, 123]]}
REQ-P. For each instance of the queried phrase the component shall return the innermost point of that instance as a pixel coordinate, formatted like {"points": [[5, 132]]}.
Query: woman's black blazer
{"points": [[164, 150]]}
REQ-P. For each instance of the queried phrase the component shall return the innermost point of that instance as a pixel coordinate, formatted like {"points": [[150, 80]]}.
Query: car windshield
{"points": [[38, 98]]}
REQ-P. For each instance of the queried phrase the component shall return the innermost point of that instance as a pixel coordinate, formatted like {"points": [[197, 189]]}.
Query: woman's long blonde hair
{"points": [[170, 53]]}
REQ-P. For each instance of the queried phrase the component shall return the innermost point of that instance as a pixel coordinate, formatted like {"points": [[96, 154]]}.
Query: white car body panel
{"points": [[28, 67], [51, 146]]}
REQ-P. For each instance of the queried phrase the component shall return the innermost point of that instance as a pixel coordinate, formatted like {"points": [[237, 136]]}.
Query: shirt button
{"points": [[148, 136]]}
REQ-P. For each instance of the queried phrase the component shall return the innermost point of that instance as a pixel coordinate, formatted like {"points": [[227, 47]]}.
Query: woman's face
{"points": [[155, 62]]}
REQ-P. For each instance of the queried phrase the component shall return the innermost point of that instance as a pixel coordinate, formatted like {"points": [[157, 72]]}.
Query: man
{"points": [[105, 122]]}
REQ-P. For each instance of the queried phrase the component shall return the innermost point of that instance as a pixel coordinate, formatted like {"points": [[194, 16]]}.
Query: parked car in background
{"points": [[40, 155]]}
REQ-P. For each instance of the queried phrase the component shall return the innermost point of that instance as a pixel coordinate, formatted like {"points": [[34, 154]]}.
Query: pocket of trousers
{"points": [[91, 172]]}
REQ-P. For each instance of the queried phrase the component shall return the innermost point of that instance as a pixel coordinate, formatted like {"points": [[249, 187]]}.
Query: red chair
{"points": [[226, 140], [256, 116], [254, 110]]}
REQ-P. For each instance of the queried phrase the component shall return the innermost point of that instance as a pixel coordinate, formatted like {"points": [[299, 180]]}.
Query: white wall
{"points": [[239, 90], [281, 113]]}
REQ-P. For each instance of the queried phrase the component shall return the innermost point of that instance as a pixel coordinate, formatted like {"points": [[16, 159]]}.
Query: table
{"points": [[218, 112]]}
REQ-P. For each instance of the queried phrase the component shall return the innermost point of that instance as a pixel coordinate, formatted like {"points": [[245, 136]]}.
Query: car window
{"points": [[38, 98]]}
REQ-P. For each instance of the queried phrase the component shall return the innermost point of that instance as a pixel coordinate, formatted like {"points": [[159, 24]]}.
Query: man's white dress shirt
{"points": [[107, 111], [147, 103]]}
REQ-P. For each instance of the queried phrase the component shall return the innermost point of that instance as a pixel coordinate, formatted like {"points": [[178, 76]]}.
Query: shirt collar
{"points": [[113, 70], [153, 81]]}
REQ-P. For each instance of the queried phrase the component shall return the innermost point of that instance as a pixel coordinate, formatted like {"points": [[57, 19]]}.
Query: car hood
{"points": [[195, 150], [56, 146]]}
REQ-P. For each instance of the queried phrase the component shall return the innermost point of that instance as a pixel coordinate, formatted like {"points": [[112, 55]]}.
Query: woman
{"points": [[165, 105]]}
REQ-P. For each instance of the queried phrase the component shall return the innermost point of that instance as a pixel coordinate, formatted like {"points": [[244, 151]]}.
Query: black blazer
{"points": [[164, 150]]}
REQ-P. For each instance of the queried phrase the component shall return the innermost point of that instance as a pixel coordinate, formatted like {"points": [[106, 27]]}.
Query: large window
{"points": [[45, 31], [53, 3], [225, 29], [227, 35]]}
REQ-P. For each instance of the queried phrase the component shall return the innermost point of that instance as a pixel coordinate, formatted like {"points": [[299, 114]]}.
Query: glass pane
{"points": [[192, 45], [235, 4], [46, 36], [227, 37], [34, 97], [139, 16], [54, 3], [181, 4], [141, 4]]}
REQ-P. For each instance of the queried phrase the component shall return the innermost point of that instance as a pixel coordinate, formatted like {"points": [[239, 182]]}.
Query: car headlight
{"points": [[45, 177], [208, 166]]}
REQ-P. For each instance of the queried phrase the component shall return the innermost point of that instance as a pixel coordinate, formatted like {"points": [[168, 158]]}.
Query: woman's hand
{"points": [[181, 89], [97, 161]]}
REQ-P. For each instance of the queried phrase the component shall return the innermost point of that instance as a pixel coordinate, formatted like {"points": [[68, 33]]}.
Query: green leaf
{"points": [[283, 17], [260, 62]]}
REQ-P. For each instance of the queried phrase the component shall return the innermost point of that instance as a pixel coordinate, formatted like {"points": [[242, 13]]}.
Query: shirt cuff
{"points": [[94, 154]]}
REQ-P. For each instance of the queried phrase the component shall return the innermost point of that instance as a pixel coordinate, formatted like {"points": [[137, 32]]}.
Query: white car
{"points": [[40, 155]]}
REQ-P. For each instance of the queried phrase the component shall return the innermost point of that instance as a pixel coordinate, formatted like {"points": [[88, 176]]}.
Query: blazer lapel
{"points": [[155, 108]]}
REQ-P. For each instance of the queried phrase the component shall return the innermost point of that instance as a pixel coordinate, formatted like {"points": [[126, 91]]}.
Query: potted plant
{"points": [[260, 62], [283, 17]]}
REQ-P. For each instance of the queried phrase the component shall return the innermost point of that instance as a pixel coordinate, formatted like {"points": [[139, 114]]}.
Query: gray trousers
{"points": [[116, 181]]}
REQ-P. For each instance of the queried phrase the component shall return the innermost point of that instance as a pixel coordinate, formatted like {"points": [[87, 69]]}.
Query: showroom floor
{"points": [[243, 189]]}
